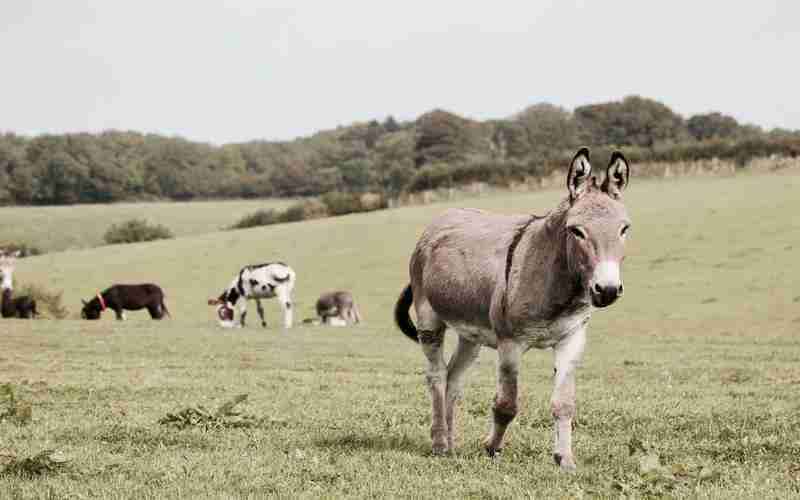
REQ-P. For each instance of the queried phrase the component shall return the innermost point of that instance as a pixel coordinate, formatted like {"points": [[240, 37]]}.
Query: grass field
{"points": [[689, 386], [59, 228]]}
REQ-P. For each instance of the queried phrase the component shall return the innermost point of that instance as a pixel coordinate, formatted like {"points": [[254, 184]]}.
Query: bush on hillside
{"points": [[303, 210], [136, 230], [25, 249], [342, 203], [261, 217]]}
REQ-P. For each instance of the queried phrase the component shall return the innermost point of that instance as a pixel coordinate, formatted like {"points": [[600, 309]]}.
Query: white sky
{"points": [[239, 70]]}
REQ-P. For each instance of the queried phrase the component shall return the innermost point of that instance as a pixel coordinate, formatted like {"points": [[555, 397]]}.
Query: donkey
{"points": [[120, 298], [10, 306], [338, 309], [261, 281], [512, 283]]}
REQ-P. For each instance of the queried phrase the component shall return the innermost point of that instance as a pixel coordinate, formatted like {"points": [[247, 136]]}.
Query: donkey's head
{"points": [[8, 262], [91, 308], [596, 226]]}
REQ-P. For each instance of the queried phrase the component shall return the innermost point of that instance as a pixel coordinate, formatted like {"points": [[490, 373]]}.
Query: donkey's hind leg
{"points": [[431, 338], [261, 313], [462, 359], [155, 311]]}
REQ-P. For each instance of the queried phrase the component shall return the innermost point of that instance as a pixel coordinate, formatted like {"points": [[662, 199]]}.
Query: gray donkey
{"points": [[512, 283]]}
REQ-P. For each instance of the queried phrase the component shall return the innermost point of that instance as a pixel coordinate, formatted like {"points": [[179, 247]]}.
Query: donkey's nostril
{"points": [[621, 289], [598, 288]]}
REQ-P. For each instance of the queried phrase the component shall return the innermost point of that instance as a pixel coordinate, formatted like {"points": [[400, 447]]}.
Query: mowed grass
{"points": [[697, 367], [53, 229]]}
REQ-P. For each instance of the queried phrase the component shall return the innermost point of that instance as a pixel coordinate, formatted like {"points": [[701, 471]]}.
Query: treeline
{"points": [[386, 157]]}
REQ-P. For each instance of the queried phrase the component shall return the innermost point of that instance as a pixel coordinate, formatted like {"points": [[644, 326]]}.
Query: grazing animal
{"points": [[121, 298], [512, 283], [13, 307], [338, 309], [262, 281]]}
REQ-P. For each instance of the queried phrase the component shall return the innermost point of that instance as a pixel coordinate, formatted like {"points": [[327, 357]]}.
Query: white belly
{"points": [[475, 334], [538, 334], [544, 334]]}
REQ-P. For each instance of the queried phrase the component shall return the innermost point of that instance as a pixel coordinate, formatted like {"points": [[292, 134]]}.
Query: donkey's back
{"points": [[460, 260]]}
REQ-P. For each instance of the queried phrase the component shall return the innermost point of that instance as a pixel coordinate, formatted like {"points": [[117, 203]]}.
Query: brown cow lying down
{"points": [[120, 298]]}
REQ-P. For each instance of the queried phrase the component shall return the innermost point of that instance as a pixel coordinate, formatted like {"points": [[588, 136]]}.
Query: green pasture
{"points": [[56, 228], [690, 386]]}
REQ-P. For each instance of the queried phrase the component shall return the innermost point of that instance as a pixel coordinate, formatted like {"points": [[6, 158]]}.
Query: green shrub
{"points": [[263, 217], [25, 249], [294, 213], [342, 203], [303, 210], [314, 209], [136, 230]]}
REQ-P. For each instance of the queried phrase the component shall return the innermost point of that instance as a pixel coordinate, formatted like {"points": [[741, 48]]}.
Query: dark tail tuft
{"points": [[401, 316]]}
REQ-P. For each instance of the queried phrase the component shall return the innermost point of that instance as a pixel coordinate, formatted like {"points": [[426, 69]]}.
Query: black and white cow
{"points": [[262, 281]]}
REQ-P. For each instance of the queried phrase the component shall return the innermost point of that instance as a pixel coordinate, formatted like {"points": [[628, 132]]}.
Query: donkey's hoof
{"points": [[440, 449], [566, 464], [494, 453]]}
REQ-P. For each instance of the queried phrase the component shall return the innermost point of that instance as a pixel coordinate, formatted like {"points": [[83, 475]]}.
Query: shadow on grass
{"points": [[372, 442]]}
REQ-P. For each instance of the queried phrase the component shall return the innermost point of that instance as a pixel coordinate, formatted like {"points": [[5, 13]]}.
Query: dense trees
{"points": [[438, 149]]}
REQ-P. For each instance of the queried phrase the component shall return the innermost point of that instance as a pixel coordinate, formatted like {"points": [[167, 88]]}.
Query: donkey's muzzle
{"points": [[605, 295]]}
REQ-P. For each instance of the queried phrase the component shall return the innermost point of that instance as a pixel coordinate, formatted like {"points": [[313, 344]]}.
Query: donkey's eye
{"points": [[577, 232], [624, 230]]}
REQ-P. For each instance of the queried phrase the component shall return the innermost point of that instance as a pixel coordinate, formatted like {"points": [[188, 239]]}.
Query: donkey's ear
{"points": [[617, 175], [84, 302], [579, 171]]}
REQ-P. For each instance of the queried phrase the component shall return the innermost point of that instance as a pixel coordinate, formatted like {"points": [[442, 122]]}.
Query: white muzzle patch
{"points": [[607, 274]]}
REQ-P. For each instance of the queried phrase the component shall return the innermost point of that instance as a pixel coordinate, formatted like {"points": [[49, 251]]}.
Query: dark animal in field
{"points": [[262, 281], [338, 309], [13, 307], [121, 298], [512, 283]]}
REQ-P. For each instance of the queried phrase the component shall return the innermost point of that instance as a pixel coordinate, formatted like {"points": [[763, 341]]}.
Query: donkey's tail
{"points": [[164, 308], [401, 316]]}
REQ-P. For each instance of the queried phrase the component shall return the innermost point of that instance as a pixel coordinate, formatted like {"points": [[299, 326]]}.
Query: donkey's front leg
{"points": [[505, 401], [567, 356]]}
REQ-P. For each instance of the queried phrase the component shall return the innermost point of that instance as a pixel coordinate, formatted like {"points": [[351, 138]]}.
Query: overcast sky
{"points": [[239, 70]]}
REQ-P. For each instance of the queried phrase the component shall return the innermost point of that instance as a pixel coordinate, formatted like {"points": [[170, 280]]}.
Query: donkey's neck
{"points": [[547, 286]]}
